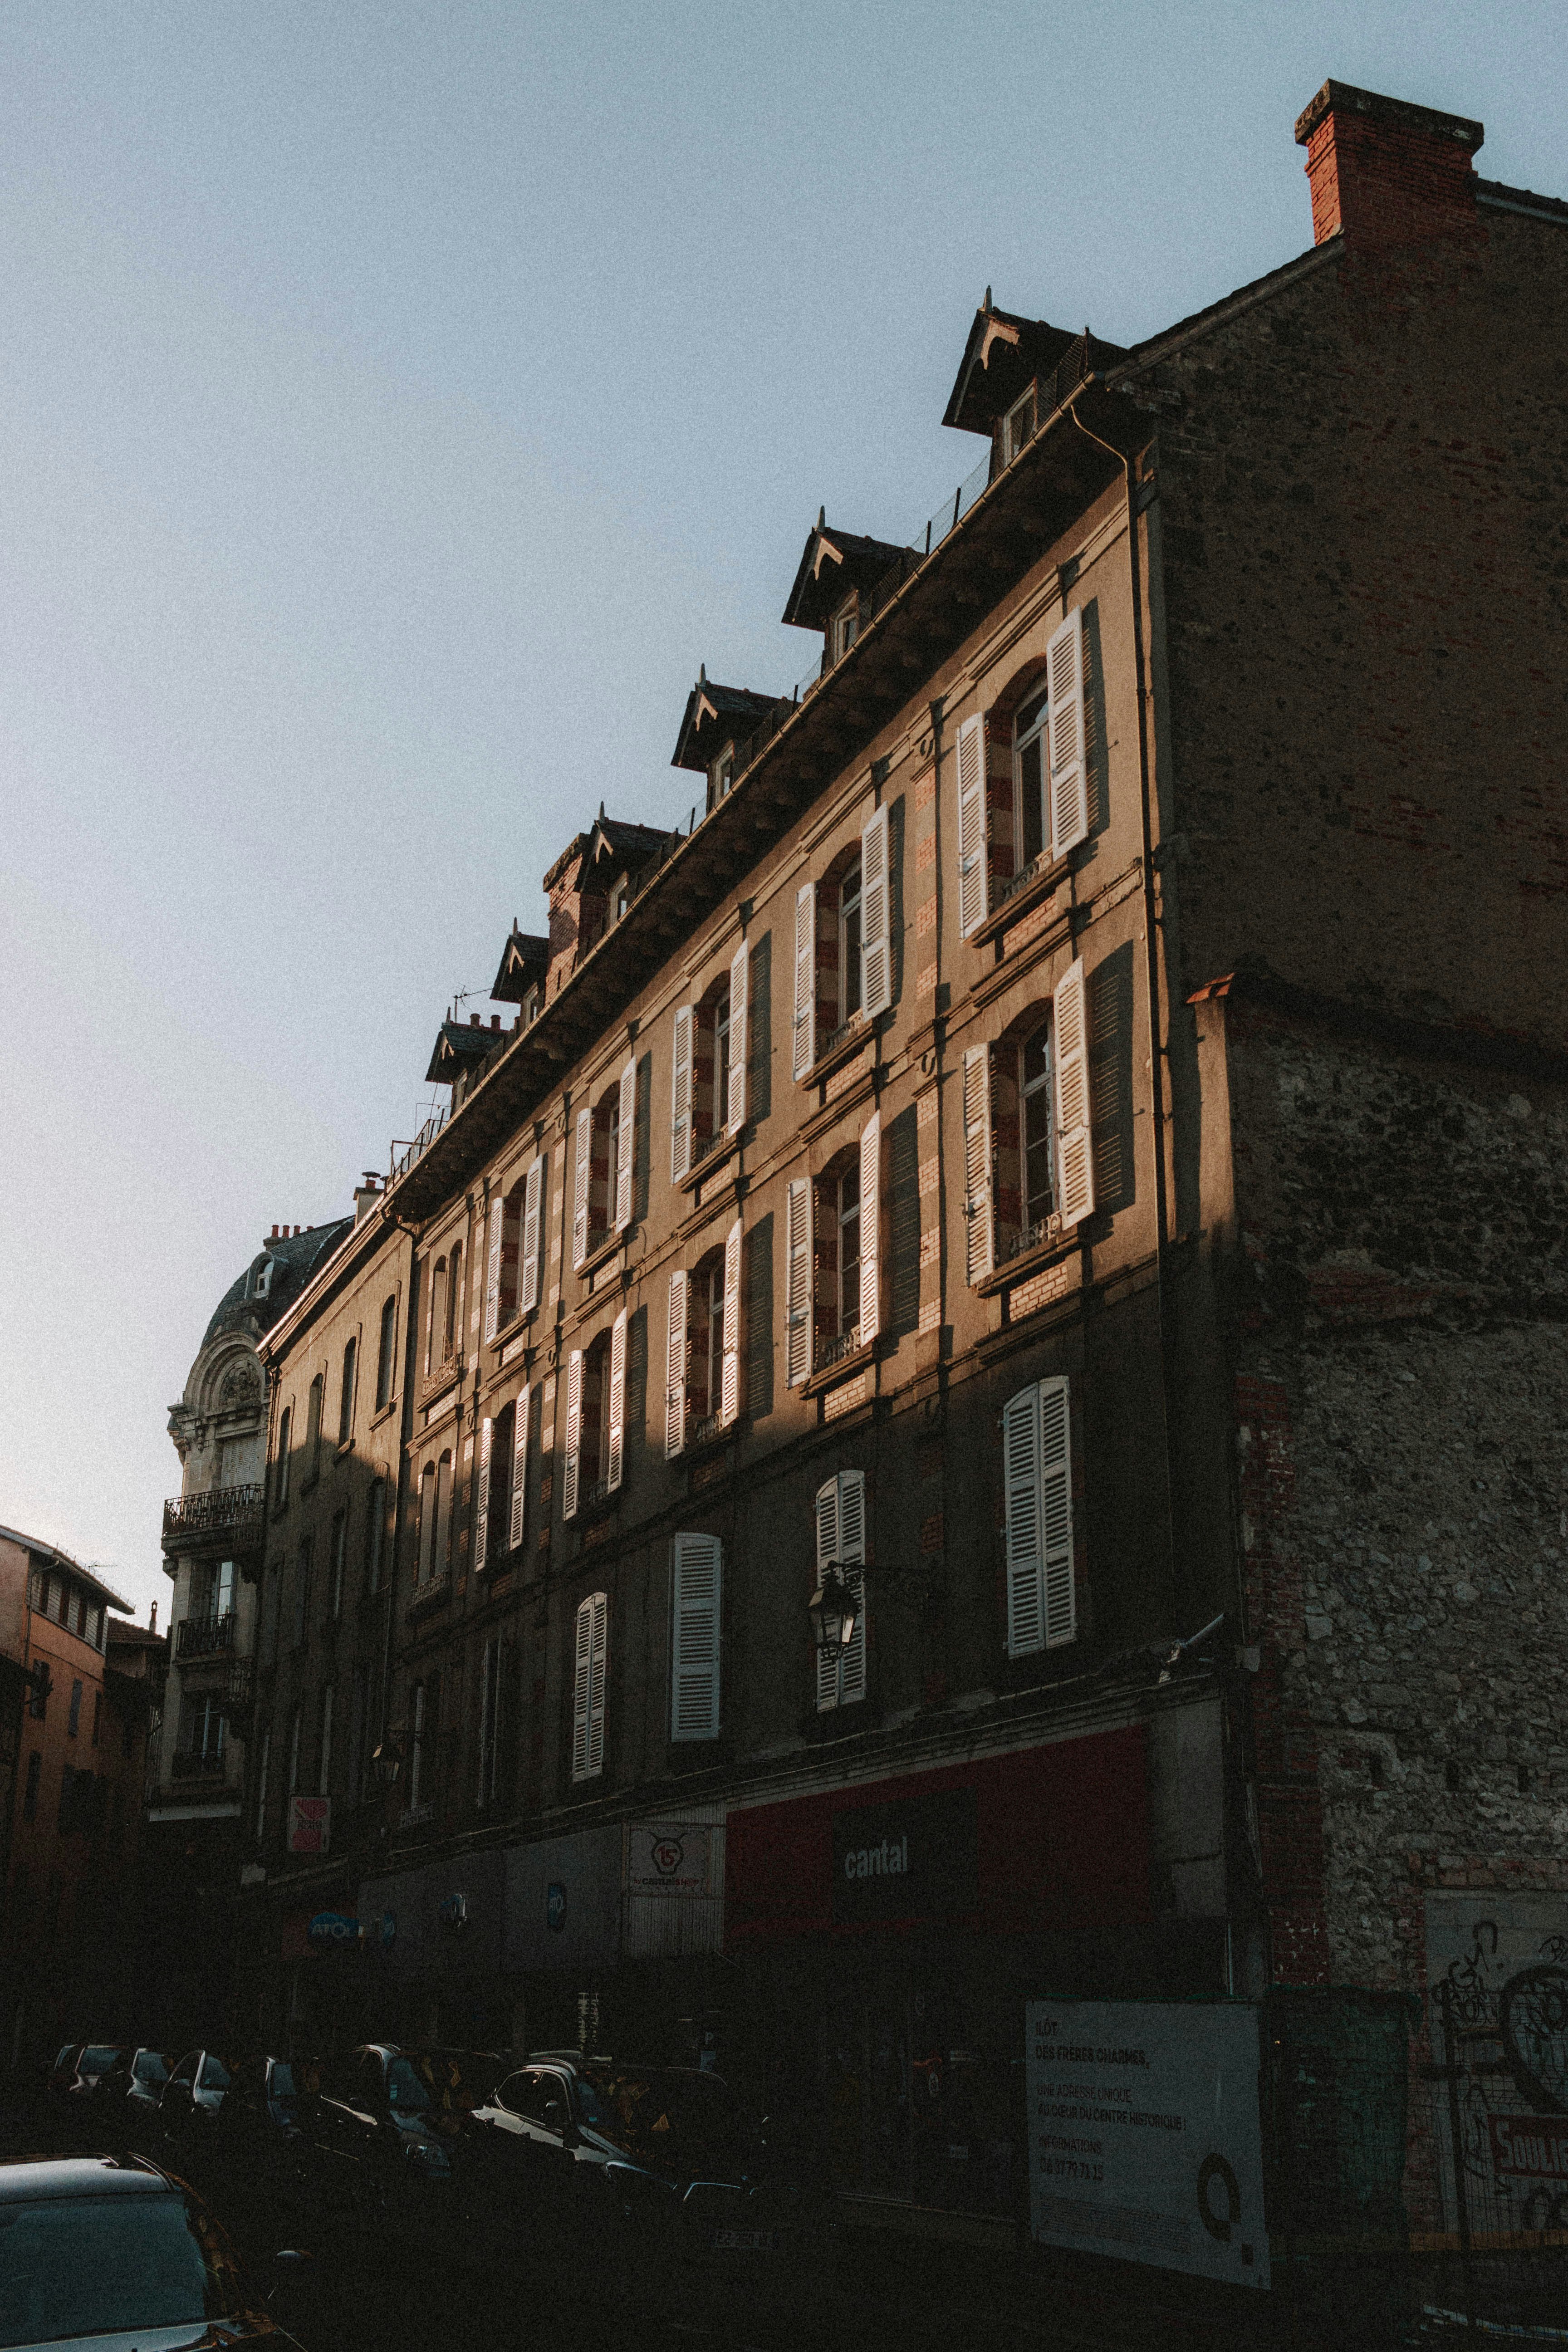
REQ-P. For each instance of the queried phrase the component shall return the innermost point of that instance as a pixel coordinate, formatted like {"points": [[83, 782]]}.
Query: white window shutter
{"points": [[977, 1205], [1056, 1512], [875, 918], [1070, 768], [573, 1432], [520, 1469], [1069, 1062], [674, 1368], [870, 1227], [482, 1498], [492, 1268], [581, 1690], [973, 894], [598, 1665], [739, 973], [625, 1145], [618, 1400], [730, 1381], [696, 1572], [803, 1050], [532, 1204], [580, 1186], [680, 1097], [797, 1283]]}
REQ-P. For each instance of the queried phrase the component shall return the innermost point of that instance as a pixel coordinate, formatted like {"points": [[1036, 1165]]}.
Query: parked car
{"points": [[120, 2110], [393, 2135], [82, 2105], [189, 2103], [117, 2254], [59, 2077], [144, 2093], [257, 2163]]}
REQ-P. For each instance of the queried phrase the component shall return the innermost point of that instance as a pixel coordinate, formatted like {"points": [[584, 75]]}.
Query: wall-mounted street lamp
{"points": [[832, 1610], [387, 1761]]}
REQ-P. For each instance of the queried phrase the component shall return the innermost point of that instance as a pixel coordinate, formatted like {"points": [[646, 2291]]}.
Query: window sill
{"points": [[841, 1047], [344, 1450], [593, 1506], [430, 1596], [841, 1368], [492, 1571], [1038, 885], [1059, 1244], [600, 1255], [437, 1383], [383, 1413], [712, 1160]]}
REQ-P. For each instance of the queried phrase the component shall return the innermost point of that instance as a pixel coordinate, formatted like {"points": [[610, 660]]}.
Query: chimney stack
{"points": [[1384, 172]]}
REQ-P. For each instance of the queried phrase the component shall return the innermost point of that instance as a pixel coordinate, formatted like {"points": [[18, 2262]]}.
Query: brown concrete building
{"points": [[72, 1761], [1072, 1141]]}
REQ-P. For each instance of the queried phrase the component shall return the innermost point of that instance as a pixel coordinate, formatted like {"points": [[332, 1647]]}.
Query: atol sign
{"points": [[912, 1859], [1532, 2147], [309, 1824], [330, 1928]]}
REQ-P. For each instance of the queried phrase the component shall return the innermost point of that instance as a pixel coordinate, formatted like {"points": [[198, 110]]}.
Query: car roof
{"points": [[25, 2179]]}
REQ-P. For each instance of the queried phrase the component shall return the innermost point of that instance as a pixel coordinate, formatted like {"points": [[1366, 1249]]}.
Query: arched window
{"points": [[346, 1397], [492, 1539], [1031, 802], [705, 1351], [385, 1352], [843, 943], [313, 1424], [596, 1418], [280, 1466]]}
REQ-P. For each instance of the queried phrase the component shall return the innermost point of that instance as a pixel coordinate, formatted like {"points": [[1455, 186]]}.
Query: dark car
{"points": [[82, 2104], [115, 2253], [147, 2074], [190, 2101], [58, 2078], [257, 2163], [392, 2134]]}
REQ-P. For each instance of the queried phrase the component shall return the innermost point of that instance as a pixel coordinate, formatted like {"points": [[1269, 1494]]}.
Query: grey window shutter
{"points": [[730, 1379], [876, 932], [573, 1432], [973, 893], [804, 1046], [598, 1672], [841, 1536], [680, 1097], [827, 1552], [618, 1400], [520, 1469], [1056, 1512], [625, 1145], [1069, 765], [797, 1281], [492, 1268], [870, 1227], [482, 1497], [581, 1179], [533, 1206], [979, 1244], [674, 1368], [696, 1570], [582, 1689], [734, 1109], [1069, 1062]]}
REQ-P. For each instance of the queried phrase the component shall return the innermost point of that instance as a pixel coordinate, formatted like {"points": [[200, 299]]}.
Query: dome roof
{"points": [[293, 1259]]}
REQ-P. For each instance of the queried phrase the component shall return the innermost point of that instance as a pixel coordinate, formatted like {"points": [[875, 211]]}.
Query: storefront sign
{"points": [[564, 1902], [309, 1824], [1144, 2134], [915, 1858], [667, 1858], [331, 1927], [1533, 2147]]}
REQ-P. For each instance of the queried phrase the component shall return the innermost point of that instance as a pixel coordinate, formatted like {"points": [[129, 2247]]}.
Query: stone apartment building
{"points": [[1063, 1162], [72, 1760]]}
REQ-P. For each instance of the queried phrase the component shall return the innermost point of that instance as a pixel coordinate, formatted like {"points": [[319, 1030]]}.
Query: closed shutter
{"points": [[580, 1183], [520, 1469], [618, 1400], [1036, 1453], [1056, 1512], [870, 1227], [797, 1283], [674, 1368], [680, 1097], [598, 1665], [532, 1205], [582, 1689], [482, 1498], [841, 1537], [803, 1049], [492, 1268], [977, 1209], [730, 1379], [1069, 1062], [876, 932], [740, 975], [573, 1432], [1070, 768], [973, 898], [696, 1570], [625, 1145]]}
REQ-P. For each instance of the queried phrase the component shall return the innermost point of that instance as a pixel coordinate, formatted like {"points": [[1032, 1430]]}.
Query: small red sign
{"points": [[309, 1824], [1533, 2147]]}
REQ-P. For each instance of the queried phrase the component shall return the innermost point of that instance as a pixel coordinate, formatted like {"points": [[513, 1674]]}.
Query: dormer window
{"points": [[845, 628], [262, 1283], [1018, 427], [622, 900]]}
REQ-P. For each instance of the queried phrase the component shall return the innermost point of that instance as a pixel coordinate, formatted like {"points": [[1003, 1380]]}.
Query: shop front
{"points": [[432, 1940], [886, 1937]]}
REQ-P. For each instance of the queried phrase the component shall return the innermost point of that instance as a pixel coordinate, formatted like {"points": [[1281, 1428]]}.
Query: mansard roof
{"points": [[717, 715], [611, 840], [834, 563], [295, 1257], [1000, 358], [522, 962]]}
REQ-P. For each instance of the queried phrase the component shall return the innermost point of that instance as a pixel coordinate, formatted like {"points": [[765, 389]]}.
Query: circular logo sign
{"points": [[667, 1856]]}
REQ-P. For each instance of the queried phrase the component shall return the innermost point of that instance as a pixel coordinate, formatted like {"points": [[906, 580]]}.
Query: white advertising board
{"points": [[1144, 2134]]}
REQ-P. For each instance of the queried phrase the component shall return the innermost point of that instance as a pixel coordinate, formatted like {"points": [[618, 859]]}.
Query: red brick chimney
{"points": [[1383, 173]]}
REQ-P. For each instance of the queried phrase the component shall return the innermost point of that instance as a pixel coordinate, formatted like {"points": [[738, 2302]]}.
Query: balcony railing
{"points": [[222, 1511], [405, 1156], [196, 1764], [204, 1637], [703, 1431], [1013, 1241], [597, 1490], [828, 1352]]}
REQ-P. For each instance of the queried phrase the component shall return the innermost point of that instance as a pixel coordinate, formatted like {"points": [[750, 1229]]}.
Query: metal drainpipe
{"points": [[1151, 978]]}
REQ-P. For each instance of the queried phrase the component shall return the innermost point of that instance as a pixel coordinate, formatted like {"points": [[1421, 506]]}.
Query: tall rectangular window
{"points": [[373, 1535], [30, 1793], [75, 1724], [302, 1594], [346, 1397], [385, 1352], [340, 1552]]}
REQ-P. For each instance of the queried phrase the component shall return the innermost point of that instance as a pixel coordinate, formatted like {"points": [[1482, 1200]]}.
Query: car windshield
{"points": [[94, 2265], [98, 2058], [150, 2067], [282, 2084], [441, 2081], [214, 2074], [67, 2055], [657, 2111]]}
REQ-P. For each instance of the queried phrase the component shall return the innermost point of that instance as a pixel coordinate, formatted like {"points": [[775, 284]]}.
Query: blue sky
{"points": [[397, 404]]}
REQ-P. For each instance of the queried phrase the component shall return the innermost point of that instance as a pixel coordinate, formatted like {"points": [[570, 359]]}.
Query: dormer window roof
{"points": [[522, 965], [1002, 359], [461, 1047], [837, 565], [716, 715]]}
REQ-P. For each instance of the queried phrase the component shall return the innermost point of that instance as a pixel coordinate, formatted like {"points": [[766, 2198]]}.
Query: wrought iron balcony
{"points": [[224, 1513], [405, 1156], [828, 1352], [1015, 1241], [204, 1637], [703, 1431], [196, 1764]]}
